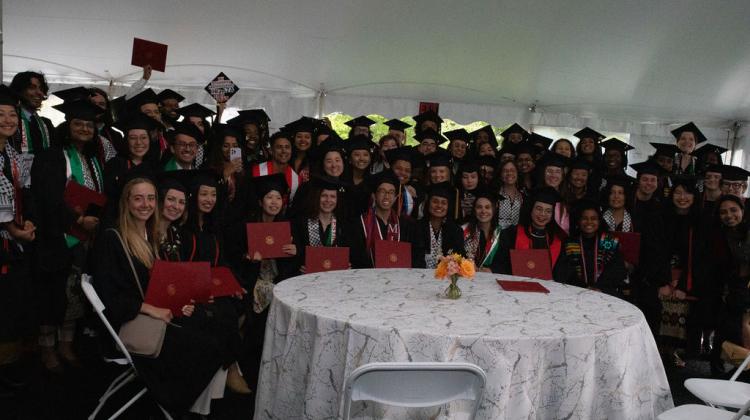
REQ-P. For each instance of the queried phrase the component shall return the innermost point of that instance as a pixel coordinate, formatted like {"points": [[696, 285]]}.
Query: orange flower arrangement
{"points": [[454, 266]]}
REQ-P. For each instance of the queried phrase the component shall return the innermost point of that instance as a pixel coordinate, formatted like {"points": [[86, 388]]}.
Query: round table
{"points": [[570, 354]]}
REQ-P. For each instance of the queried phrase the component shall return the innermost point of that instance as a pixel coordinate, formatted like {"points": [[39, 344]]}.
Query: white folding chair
{"points": [[702, 412], [721, 392], [130, 374], [415, 384]]}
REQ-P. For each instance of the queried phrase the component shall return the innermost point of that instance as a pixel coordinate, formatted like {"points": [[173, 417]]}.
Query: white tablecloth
{"points": [[569, 354]]}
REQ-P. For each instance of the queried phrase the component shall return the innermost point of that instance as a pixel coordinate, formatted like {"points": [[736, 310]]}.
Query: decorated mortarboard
{"points": [[490, 134], [81, 109], [690, 127], [7, 96], [647, 167], [589, 133], [554, 159], [734, 173], [707, 149], [458, 134], [73, 94], [147, 96], [664, 149], [325, 182], [265, 184], [188, 129], [359, 142], [616, 144], [383, 177], [439, 157], [442, 189], [169, 94], [540, 140], [430, 134], [546, 195], [428, 115], [221, 88], [514, 128], [361, 121], [195, 110], [397, 125], [404, 153]]}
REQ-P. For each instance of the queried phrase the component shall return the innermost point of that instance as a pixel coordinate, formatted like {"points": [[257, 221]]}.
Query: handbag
{"points": [[144, 334]]}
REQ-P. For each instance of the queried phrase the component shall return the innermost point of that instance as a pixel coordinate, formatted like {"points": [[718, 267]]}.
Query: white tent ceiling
{"points": [[634, 61]]}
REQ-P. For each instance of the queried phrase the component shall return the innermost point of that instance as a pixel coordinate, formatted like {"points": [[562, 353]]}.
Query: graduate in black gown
{"points": [[359, 150], [173, 212], [382, 220], [35, 133], [591, 257], [482, 232], [437, 232]]}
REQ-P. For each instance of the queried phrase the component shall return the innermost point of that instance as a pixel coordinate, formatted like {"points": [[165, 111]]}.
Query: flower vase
{"points": [[453, 292]]}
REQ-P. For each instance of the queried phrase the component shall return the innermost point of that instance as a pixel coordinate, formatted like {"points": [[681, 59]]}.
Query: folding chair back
{"points": [[415, 384], [88, 290]]}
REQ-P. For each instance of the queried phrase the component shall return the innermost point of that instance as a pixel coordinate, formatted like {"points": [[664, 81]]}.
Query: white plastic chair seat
{"points": [[719, 392], [698, 412]]}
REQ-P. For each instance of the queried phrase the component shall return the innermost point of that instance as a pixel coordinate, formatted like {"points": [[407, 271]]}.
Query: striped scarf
{"points": [[607, 249]]}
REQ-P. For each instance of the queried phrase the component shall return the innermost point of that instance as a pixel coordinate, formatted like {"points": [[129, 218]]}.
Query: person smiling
{"points": [[482, 233], [35, 133], [437, 233]]}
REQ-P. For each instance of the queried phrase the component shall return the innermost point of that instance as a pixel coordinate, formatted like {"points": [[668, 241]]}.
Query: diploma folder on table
{"points": [[392, 254], [533, 263], [268, 238], [173, 284], [149, 53], [522, 286], [326, 258], [223, 282], [630, 246], [85, 202]]}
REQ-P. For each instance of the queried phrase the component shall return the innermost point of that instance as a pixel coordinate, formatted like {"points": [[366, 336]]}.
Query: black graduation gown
{"points": [[36, 134], [610, 281], [114, 171], [190, 355], [408, 233], [346, 236], [495, 263], [508, 242], [453, 240]]}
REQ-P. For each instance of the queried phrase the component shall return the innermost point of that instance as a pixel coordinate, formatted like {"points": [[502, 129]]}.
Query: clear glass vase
{"points": [[453, 292]]}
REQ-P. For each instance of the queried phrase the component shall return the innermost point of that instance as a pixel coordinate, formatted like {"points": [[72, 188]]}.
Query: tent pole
{"points": [[735, 130], [321, 100]]}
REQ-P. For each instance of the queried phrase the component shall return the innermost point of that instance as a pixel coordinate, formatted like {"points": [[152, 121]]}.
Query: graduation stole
{"points": [[76, 168], [405, 201], [491, 246], [26, 143], [524, 242], [313, 232], [172, 165], [605, 249], [372, 231]]}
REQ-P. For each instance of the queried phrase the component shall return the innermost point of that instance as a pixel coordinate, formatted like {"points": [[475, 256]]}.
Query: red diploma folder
{"points": [[630, 246], [522, 286], [268, 238], [392, 254], [533, 263], [326, 258], [173, 284], [149, 52], [223, 282], [85, 202]]}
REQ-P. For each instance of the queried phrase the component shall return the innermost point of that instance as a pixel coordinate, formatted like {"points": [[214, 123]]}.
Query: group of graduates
{"points": [[181, 186]]}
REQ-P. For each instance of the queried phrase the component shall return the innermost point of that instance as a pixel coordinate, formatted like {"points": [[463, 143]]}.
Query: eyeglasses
{"points": [[385, 192], [186, 145], [735, 185]]}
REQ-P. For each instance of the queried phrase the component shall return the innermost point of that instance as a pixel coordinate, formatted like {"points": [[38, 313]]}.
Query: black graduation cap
{"points": [[250, 116], [554, 159], [328, 145], [326, 182], [137, 121], [647, 167], [458, 134], [709, 148], [622, 180], [487, 161], [207, 177], [617, 144], [442, 189], [404, 153], [580, 163], [664, 149], [361, 121], [302, 125], [490, 133], [440, 157], [147, 96], [487, 193], [7, 96], [515, 128], [265, 184], [546, 195], [188, 129], [73, 94], [232, 131], [397, 125], [687, 181], [589, 133], [430, 134], [169, 94], [173, 180], [538, 139], [386, 176], [714, 168], [195, 110], [359, 142], [525, 147], [468, 166], [428, 115], [699, 137], [81, 109], [734, 173], [509, 149], [138, 171]]}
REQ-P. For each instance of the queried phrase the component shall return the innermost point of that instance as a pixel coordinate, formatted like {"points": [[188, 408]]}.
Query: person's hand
{"points": [[665, 291], [257, 256], [411, 190], [221, 104], [188, 310], [23, 234], [236, 165], [289, 249], [629, 267], [159, 313], [679, 294], [88, 223], [147, 72], [302, 269]]}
